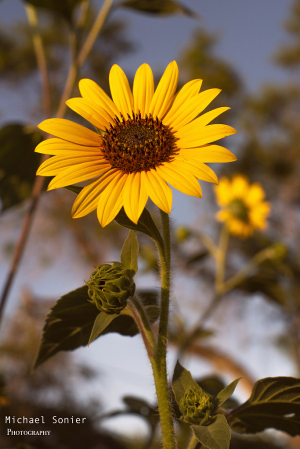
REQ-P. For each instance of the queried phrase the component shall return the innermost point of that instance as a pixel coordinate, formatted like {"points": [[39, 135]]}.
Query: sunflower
{"points": [[146, 140], [243, 205]]}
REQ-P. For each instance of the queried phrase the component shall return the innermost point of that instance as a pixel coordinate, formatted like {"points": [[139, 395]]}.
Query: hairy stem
{"points": [[160, 367], [144, 325]]}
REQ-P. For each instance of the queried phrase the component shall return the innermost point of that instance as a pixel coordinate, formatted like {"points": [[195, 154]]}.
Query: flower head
{"points": [[146, 139], [242, 205]]}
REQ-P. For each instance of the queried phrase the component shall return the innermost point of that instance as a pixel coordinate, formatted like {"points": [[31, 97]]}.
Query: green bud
{"points": [[110, 286], [182, 234], [280, 250], [196, 405]]}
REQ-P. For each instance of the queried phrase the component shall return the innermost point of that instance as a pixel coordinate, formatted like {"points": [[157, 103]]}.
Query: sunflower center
{"points": [[239, 209], [137, 144]]}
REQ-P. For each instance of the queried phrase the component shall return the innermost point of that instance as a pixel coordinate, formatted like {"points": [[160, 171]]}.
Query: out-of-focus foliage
{"points": [[18, 163], [64, 9], [18, 61], [158, 7], [289, 55]]}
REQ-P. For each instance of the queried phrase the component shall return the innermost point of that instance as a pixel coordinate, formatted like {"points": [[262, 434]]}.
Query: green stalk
{"points": [[160, 365], [220, 260], [139, 315]]}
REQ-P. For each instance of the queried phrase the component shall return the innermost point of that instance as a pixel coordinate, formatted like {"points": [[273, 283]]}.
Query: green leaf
{"points": [[213, 385], [140, 407], [137, 406], [70, 322], [100, 324], [62, 7], [274, 403], [227, 392], [148, 297], [215, 436], [145, 225], [18, 163], [158, 7], [182, 380], [130, 252]]}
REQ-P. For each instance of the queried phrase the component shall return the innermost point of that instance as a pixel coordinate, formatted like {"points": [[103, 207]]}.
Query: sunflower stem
{"points": [[160, 366], [220, 259], [141, 319]]}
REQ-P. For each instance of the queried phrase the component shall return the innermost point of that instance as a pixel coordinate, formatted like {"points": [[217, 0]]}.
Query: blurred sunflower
{"points": [[145, 140], [243, 205]]}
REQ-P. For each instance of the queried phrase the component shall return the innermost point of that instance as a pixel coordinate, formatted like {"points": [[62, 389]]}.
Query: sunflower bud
{"points": [[280, 250], [110, 286], [196, 405], [182, 234]]}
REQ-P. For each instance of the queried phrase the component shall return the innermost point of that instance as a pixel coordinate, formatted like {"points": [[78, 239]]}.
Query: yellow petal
{"points": [[120, 90], [158, 190], [183, 180], [240, 186], [82, 172], [143, 89], [87, 200], [60, 147], [190, 109], [91, 112], [208, 134], [134, 196], [189, 90], [224, 192], [56, 164], [70, 131], [200, 170], [111, 200], [209, 153], [92, 92], [165, 90], [255, 195], [197, 124]]}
